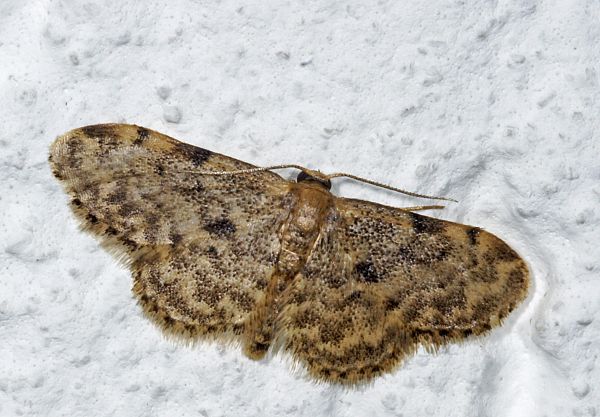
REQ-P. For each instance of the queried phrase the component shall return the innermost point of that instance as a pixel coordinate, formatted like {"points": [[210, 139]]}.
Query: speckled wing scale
{"points": [[382, 281], [349, 288], [201, 248]]}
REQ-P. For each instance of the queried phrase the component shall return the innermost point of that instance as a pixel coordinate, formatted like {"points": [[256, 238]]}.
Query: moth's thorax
{"points": [[312, 202]]}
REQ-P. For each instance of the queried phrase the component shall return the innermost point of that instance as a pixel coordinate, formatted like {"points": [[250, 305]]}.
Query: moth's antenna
{"points": [[250, 170], [387, 187], [336, 175], [421, 208]]}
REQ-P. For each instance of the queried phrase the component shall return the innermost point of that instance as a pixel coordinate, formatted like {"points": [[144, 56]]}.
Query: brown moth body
{"points": [[348, 287]]}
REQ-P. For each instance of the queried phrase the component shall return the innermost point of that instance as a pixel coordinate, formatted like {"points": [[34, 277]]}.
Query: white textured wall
{"points": [[495, 103]]}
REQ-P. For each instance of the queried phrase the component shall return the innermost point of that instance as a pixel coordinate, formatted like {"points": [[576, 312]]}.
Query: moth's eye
{"points": [[303, 176]]}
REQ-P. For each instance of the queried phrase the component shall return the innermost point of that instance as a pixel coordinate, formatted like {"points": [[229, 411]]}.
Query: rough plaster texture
{"points": [[494, 103]]}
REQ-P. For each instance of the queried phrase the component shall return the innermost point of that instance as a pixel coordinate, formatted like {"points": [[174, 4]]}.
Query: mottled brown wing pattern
{"points": [[201, 248], [348, 287], [381, 281]]}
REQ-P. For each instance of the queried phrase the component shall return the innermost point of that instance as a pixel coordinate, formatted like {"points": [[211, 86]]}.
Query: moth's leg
{"points": [[420, 208]]}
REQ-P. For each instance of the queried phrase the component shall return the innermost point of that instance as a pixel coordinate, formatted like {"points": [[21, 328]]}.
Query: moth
{"points": [[222, 250]]}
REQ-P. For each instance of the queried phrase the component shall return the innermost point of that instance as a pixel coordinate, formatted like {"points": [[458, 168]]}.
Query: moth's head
{"points": [[307, 175]]}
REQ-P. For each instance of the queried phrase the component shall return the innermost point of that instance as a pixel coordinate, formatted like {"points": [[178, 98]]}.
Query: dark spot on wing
{"points": [[92, 218], [175, 238], [212, 252], [111, 231], [423, 224], [142, 135], [130, 243], [472, 233], [260, 347], [392, 303], [160, 170], [195, 154], [467, 332], [190, 328], [97, 131], [238, 328], [406, 254], [57, 174], [366, 270], [221, 228], [168, 321], [427, 334]]}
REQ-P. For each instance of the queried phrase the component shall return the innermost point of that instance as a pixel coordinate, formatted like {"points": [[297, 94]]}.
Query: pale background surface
{"points": [[495, 103]]}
